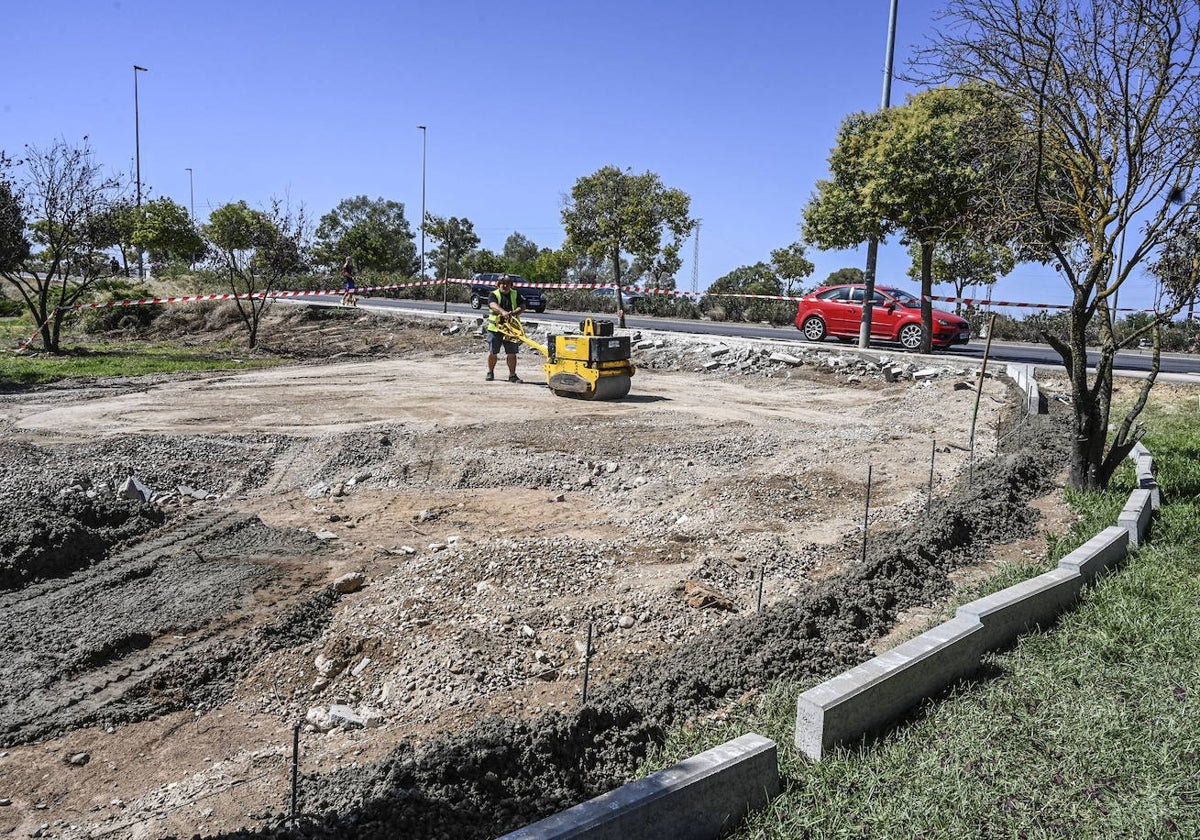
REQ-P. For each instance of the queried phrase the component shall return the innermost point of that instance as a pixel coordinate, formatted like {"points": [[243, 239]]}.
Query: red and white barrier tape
{"points": [[459, 281]]}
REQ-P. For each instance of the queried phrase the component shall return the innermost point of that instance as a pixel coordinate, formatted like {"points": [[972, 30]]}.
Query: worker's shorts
{"points": [[495, 340]]}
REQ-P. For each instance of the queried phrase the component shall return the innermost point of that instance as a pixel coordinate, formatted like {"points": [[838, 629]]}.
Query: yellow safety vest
{"points": [[493, 318]]}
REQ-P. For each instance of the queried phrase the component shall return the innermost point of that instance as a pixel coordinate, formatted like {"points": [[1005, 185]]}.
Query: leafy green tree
{"points": [[551, 266], [50, 244], [256, 250], [965, 262], [611, 213], [1110, 96], [484, 261], [519, 251], [456, 240], [374, 232], [758, 279], [918, 169], [165, 231], [791, 266], [114, 229], [843, 276], [15, 246]]}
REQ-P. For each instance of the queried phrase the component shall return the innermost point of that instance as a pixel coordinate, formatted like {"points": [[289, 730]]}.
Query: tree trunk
{"points": [[617, 279], [1092, 400], [926, 291]]}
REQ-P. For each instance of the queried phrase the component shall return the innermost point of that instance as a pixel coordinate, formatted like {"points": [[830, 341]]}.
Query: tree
{"points": [[482, 261], [791, 266], [551, 266], [918, 169], [611, 213], [14, 244], [374, 232], [772, 280], [165, 230], [50, 243], [757, 279], [1177, 269], [966, 262], [844, 275], [457, 240], [1110, 95], [114, 229], [256, 250], [519, 251]]}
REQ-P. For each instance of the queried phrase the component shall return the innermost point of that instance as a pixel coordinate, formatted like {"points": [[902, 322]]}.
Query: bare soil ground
{"points": [[705, 531]]}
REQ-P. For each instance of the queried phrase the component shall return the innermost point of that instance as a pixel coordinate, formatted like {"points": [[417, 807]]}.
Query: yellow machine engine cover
{"points": [[589, 348], [589, 366]]}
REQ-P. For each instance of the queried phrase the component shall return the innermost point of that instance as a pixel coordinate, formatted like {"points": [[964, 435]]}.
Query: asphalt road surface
{"points": [[1178, 366]]}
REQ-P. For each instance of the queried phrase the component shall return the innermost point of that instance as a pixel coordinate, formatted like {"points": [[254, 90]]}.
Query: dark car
{"points": [[895, 316], [631, 299], [482, 286]]}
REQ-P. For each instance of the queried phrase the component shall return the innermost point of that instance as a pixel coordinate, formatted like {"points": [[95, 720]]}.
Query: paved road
{"points": [[1129, 362]]}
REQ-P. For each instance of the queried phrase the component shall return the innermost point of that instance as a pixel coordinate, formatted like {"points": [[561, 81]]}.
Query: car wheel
{"points": [[540, 310], [476, 302], [814, 328], [910, 336]]}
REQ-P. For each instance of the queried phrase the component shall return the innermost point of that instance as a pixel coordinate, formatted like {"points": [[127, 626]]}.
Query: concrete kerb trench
{"points": [[879, 692], [699, 798], [706, 795]]}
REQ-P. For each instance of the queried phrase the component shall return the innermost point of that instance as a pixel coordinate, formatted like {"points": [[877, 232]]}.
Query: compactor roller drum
{"points": [[593, 365]]}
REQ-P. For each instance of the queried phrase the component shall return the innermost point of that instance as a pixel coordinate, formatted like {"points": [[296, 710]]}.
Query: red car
{"points": [[895, 316]]}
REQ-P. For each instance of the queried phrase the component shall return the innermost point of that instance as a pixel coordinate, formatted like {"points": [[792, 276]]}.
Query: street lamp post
{"points": [[191, 193], [424, 135], [137, 155], [864, 329], [191, 205]]}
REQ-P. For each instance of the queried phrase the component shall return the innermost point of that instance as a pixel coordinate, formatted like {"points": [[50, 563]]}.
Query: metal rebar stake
{"points": [[866, 515], [587, 662], [929, 496], [295, 767]]}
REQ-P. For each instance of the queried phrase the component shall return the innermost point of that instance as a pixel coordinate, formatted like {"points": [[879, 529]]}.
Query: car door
{"points": [[849, 319], [885, 315], [836, 309]]}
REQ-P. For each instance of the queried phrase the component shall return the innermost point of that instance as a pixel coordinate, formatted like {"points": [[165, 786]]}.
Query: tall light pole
{"points": [[864, 332], [423, 136], [137, 155], [191, 193]]}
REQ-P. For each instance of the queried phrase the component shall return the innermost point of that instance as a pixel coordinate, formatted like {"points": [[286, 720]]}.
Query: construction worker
{"points": [[504, 303]]}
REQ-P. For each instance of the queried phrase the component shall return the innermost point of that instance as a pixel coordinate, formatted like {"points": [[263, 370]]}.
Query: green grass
{"points": [[128, 359], [1087, 731]]}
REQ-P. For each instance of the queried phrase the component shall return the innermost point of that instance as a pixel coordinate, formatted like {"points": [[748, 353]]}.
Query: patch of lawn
{"points": [[1086, 731], [133, 359]]}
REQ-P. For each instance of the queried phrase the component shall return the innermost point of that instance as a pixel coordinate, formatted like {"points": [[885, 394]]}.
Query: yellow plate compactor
{"points": [[593, 365]]}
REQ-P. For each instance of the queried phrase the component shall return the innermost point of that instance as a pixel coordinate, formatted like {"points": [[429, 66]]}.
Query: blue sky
{"points": [[737, 104]]}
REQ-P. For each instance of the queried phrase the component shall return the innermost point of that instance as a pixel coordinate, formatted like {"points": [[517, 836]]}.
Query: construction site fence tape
{"points": [[981, 302]]}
